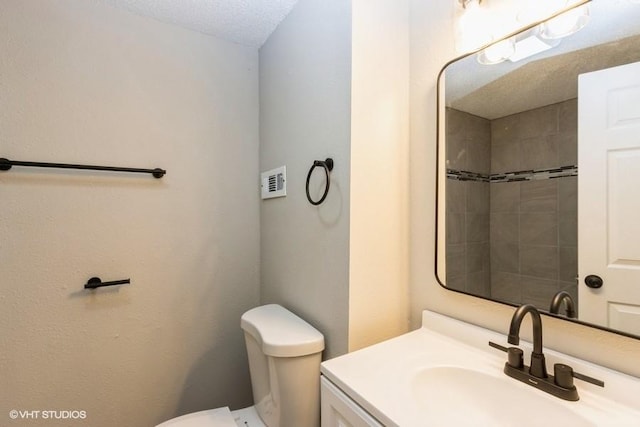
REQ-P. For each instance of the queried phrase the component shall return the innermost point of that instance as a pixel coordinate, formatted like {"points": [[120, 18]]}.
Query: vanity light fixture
{"points": [[531, 44], [516, 48], [471, 31], [540, 38], [566, 23], [498, 52]]}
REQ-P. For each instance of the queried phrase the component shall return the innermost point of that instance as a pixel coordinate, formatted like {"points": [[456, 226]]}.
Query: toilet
{"points": [[284, 355]]}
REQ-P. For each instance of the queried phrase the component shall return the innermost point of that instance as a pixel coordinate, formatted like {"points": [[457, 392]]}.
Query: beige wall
{"points": [[81, 82], [378, 240], [431, 47]]}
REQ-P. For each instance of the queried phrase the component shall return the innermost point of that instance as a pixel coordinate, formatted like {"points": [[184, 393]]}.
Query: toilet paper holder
{"points": [[96, 282]]}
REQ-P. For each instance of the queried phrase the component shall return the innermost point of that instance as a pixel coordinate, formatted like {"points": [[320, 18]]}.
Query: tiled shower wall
{"points": [[533, 231], [529, 228], [467, 228]]}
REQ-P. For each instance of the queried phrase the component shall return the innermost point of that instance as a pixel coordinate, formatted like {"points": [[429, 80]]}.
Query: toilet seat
{"points": [[219, 417]]}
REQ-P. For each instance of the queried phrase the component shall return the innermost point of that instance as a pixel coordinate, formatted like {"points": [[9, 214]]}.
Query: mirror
{"points": [[539, 172]]}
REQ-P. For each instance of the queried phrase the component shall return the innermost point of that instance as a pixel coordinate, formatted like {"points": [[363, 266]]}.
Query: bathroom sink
{"points": [[451, 395], [446, 374]]}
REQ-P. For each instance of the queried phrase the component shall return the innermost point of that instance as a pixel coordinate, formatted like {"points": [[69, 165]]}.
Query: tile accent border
{"points": [[467, 176], [526, 175]]}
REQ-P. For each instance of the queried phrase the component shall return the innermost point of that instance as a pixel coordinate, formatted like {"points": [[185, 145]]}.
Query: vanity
{"points": [[537, 201], [447, 374]]}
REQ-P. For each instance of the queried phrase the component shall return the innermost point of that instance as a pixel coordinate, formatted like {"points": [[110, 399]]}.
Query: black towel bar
{"points": [[6, 164]]}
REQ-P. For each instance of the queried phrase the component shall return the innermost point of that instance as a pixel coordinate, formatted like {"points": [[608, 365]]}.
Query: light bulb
{"points": [[566, 23], [497, 52]]}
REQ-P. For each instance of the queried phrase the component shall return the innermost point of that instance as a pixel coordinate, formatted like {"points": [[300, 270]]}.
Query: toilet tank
{"points": [[284, 360]]}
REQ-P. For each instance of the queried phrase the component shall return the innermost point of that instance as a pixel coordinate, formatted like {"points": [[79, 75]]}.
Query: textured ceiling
{"points": [[548, 81], [248, 22], [611, 38]]}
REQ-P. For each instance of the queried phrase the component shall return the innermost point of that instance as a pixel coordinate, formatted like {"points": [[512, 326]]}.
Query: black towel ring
{"points": [[327, 165]]}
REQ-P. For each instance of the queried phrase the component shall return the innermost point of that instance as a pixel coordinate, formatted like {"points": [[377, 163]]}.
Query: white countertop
{"points": [[383, 379]]}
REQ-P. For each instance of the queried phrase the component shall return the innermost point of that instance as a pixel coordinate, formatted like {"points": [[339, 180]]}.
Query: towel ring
{"points": [[327, 165]]}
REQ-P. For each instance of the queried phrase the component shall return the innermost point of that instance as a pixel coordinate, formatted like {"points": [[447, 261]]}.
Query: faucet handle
{"points": [[564, 376], [515, 356]]}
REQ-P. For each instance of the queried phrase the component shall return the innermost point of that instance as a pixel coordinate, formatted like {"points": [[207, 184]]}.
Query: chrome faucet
{"points": [[538, 365], [556, 302], [561, 383]]}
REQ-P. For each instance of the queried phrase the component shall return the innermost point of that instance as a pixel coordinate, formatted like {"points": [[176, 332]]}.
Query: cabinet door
{"points": [[338, 410]]}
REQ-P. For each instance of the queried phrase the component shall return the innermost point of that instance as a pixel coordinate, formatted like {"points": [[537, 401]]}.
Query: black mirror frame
{"points": [[440, 171]]}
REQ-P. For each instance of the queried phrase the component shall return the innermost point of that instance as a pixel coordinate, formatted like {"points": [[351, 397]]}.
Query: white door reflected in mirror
{"points": [[609, 161]]}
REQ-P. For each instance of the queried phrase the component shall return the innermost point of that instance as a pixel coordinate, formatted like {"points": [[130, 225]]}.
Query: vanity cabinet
{"points": [[338, 410]]}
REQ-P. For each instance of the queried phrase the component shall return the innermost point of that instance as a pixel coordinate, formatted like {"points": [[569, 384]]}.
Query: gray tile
{"points": [[538, 292], [568, 116], [454, 124], [505, 157], [479, 283], [487, 258], [467, 126], [479, 155], [506, 287], [456, 196], [568, 194], [456, 153], [455, 228], [504, 197], [468, 139], [477, 257], [478, 197], [539, 153], [477, 227], [568, 263], [539, 261], [571, 287], [539, 228], [458, 283], [504, 228], [456, 260], [477, 128], [504, 130], [568, 229], [567, 148], [538, 122], [455, 147], [539, 196], [505, 258]]}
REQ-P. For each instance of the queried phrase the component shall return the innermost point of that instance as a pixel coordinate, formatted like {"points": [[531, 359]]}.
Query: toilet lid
{"points": [[219, 417]]}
